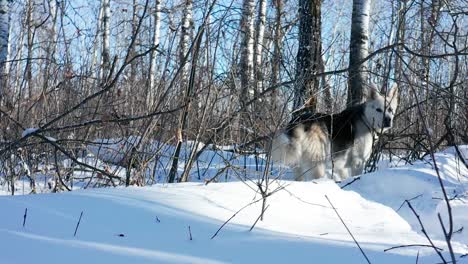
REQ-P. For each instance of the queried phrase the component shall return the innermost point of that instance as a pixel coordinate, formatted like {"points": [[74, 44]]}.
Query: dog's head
{"points": [[380, 110]]}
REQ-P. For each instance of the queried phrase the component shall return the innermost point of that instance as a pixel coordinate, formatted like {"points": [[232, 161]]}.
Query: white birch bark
{"points": [[4, 38], [358, 51], [247, 51], [183, 49], [105, 60], [184, 41], [29, 45], [94, 72], [52, 43], [261, 21], [152, 70], [277, 42]]}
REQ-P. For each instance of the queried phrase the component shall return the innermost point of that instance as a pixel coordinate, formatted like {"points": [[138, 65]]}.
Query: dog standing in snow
{"points": [[311, 140]]}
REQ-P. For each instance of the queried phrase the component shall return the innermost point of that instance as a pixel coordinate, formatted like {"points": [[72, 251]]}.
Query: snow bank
{"points": [[151, 224]]}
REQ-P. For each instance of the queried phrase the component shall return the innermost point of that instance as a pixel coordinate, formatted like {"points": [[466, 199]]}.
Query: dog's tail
{"points": [[283, 150]]}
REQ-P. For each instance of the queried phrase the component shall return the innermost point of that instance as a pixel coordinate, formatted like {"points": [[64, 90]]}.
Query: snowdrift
{"points": [[174, 223]]}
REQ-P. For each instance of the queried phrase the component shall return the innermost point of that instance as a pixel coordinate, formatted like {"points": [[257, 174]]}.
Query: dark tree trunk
{"points": [[309, 53]]}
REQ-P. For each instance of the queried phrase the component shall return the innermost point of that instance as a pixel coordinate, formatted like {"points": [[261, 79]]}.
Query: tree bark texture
{"points": [[156, 32], [261, 21], [358, 51], [309, 52], [4, 37], [247, 51]]}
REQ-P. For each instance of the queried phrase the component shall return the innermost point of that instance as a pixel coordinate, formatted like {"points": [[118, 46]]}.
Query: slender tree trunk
{"points": [[152, 71], [4, 44], [247, 51], [133, 64], [183, 49], [96, 72], [52, 44], [400, 38], [261, 21], [184, 41], [309, 54], [30, 40], [277, 43], [358, 51], [105, 59]]}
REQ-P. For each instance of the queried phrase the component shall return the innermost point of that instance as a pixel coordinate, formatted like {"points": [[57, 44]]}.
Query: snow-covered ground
{"points": [[151, 224]]}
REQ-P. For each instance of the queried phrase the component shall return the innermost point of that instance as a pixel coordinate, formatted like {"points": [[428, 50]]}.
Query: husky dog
{"points": [[311, 140]]}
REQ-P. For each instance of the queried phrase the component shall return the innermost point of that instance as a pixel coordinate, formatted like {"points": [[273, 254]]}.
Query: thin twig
{"points": [[349, 231], [230, 218], [412, 245], [25, 216], [349, 183], [447, 239], [78, 224], [258, 218], [423, 230], [403, 203]]}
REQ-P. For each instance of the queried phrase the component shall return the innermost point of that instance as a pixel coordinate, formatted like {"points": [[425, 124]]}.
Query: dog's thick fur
{"points": [[310, 141]]}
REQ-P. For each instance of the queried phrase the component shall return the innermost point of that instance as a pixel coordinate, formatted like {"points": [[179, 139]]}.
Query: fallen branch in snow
{"points": [[349, 231], [412, 245], [349, 183], [258, 218], [447, 239], [403, 203], [230, 218], [423, 230], [24, 216], [78, 224], [221, 171], [303, 201]]}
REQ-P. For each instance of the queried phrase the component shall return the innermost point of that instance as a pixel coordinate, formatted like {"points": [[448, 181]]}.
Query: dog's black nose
{"points": [[387, 122]]}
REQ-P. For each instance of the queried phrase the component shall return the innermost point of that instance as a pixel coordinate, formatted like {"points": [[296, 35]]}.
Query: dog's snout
{"points": [[387, 121]]}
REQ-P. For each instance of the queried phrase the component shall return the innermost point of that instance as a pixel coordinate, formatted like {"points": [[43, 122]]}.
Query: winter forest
{"points": [[124, 118]]}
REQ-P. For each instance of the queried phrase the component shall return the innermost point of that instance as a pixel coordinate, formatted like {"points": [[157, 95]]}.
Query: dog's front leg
{"points": [[357, 168], [340, 169], [298, 173]]}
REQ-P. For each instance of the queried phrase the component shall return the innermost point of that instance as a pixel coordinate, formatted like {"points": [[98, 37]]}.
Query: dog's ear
{"points": [[373, 92], [393, 95]]}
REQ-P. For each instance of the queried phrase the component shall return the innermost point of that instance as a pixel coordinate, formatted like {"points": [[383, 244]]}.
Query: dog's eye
{"points": [[379, 110]]}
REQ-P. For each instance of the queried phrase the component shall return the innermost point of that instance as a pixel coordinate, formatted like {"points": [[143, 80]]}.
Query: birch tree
{"points": [[29, 45], [4, 37], [155, 43], [184, 41], [358, 51], [183, 49], [52, 41], [247, 50], [95, 73], [309, 52], [105, 59], [400, 38], [277, 43], [261, 20]]}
